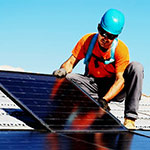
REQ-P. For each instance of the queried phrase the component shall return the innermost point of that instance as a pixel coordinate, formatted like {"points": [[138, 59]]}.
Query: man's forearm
{"points": [[114, 90], [69, 64]]}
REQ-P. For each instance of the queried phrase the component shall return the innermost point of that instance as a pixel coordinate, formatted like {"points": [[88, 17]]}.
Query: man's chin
{"points": [[103, 48]]}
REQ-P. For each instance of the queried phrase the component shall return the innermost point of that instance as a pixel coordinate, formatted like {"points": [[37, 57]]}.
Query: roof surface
{"points": [[143, 121]]}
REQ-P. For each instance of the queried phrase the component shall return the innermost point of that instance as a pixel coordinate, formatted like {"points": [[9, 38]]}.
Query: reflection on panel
{"points": [[57, 102]]}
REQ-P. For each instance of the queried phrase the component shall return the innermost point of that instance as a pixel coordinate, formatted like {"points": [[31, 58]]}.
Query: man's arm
{"points": [[116, 87], [69, 64], [66, 67]]}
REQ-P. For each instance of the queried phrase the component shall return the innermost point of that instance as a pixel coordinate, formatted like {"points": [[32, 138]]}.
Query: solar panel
{"points": [[57, 104], [32, 140]]}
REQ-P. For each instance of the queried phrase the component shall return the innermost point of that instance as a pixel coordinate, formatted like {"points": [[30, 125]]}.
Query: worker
{"points": [[109, 74]]}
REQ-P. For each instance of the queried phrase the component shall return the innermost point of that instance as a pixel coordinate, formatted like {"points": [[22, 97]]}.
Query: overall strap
{"points": [[113, 48], [90, 49], [89, 52]]}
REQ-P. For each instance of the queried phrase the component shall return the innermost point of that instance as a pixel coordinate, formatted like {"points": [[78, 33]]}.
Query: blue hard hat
{"points": [[113, 21]]}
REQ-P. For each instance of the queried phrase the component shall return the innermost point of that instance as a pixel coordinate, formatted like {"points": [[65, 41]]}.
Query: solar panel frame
{"points": [[144, 133]]}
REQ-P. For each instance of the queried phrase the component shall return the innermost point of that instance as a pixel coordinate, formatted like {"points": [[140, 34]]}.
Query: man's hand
{"points": [[104, 104], [60, 73]]}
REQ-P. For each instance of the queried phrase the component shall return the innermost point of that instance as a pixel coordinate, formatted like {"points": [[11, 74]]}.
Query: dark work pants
{"points": [[98, 87]]}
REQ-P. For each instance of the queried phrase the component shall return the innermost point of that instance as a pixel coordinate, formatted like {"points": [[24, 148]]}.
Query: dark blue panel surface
{"points": [[27, 140], [57, 103]]}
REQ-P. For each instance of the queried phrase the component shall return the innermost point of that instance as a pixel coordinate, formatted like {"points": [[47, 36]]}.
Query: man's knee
{"points": [[73, 76], [135, 68]]}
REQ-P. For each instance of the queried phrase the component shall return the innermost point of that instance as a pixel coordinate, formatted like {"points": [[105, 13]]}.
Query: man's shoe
{"points": [[129, 124]]}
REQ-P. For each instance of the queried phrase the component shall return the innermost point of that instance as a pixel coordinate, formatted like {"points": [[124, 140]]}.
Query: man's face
{"points": [[105, 39]]}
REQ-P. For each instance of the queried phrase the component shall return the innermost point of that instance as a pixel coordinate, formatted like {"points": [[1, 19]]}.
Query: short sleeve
{"points": [[81, 47], [121, 57]]}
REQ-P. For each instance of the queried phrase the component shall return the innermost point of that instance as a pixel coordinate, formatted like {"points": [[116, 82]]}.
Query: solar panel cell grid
{"points": [[57, 102]]}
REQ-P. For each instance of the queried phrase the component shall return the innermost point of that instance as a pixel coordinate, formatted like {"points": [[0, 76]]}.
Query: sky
{"points": [[39, 35]]}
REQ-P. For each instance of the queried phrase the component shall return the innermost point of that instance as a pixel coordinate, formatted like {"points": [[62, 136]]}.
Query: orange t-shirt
{"points": [[103, 70]]}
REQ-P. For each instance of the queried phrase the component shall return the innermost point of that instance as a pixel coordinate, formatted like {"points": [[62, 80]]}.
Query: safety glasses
{"points": [[105, 34]]}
